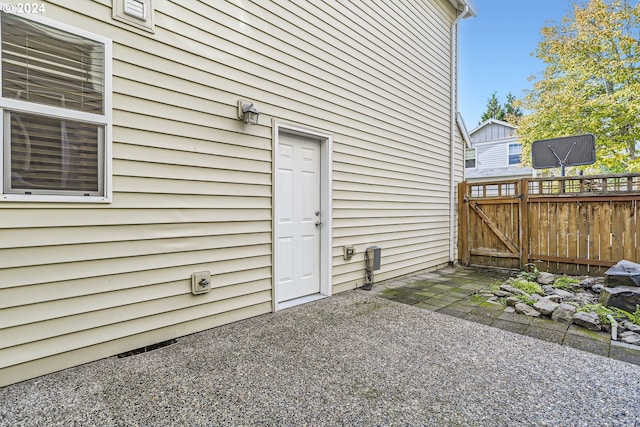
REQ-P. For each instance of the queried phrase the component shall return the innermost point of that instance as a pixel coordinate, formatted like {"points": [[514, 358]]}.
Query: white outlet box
{"points": [[200, 282]]}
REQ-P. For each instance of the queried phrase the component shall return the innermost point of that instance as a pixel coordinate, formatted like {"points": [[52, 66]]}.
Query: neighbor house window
{"points": [[515, 154], [470, 158], [56, 103]]}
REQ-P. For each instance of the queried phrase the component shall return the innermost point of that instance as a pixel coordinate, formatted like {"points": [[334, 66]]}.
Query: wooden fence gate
{"points": [[571, 225]]}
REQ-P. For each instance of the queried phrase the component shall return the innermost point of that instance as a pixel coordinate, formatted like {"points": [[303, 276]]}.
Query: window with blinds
{"points": [[515, 154], [470, 158], [54, 102]]}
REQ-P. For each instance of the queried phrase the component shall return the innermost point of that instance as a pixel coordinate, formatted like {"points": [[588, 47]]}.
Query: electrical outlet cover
{"points": [[349, 252]]}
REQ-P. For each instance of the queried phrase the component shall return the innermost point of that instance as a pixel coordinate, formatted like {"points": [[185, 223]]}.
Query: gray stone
{"points": [[597, 288], [630, 338], [548, 290], [512, 301], [509, 310], [583, 298], [623, 297], [563, 294], [536, 297], [554, 298], [590, 282], [527, 310], [545, 306], [564, 313], [624, 273], [501, 293], [507, 287], [545, 278], [630, 326], [615, 281], [590, 321]]}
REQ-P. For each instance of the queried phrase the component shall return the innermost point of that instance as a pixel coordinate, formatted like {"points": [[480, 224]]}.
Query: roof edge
{"points": [[460, 5], [491, 121]]}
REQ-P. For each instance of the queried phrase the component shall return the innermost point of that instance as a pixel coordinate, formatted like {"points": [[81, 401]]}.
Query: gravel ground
{"points": [[352, 359]]}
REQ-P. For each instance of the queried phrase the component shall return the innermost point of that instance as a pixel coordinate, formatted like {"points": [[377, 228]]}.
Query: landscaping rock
{"points": [[597, 288], [507, 287], [554, 298], [545, 306], [563, 294], [564, 313], [527, 310], [630, 338], [590, 321], [583, 298], [548, 290], [545, 278], [624, 273], [623, 297], [512, 301], [501, 293], [631, 326], [590, 282], [615, 281], [536, 297]]}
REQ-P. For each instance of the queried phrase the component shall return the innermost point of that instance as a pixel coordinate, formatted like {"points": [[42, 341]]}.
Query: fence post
{"points": [[463, 224], [523, 223]]}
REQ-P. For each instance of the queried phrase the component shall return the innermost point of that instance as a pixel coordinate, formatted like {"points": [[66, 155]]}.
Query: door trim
{"points": [[325, 207]]}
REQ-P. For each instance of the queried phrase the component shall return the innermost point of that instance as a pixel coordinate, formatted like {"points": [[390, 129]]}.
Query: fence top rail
{"points": [[585, 185], [613, 184]]}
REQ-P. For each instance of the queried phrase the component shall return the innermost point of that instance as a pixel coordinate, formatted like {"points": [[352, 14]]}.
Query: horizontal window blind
{"points": [[52, 154], [52, 151], [48, 66]]}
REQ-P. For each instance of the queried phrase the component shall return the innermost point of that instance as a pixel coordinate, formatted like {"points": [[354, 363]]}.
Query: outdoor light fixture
{"points": [[248, 112]]}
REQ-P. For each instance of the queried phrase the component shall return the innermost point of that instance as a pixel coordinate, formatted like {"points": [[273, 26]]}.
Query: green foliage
{"points": [[512, 110], [526, 299], [526, 285], [617, 313], [495, 285], [565, 282], [590, 84], [598, 309], [508, 111], [494, 109], [529, 272]]}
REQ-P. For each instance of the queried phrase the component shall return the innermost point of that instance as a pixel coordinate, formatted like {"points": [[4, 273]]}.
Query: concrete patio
{"points": [[352, 359], [456, 292]]}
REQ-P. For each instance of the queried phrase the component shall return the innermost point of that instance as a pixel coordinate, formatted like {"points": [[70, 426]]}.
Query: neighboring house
{"points": [[494, 154], [128, 175]]}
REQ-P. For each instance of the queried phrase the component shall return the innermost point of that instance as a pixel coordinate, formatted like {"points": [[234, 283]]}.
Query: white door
{"points": [[298, 217]]}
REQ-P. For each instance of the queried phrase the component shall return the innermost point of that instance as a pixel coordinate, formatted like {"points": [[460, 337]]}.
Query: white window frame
{"points": [[509, 145], [105, 120], [475, 158]]}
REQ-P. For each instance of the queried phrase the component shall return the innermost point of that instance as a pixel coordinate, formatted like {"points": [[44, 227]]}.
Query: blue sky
{"points": [[496, 47]]}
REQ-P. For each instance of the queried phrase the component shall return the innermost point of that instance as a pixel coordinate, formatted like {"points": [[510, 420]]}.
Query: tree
{"points": [[591, 83], [494, 109], [512, 110], [509, 111]]}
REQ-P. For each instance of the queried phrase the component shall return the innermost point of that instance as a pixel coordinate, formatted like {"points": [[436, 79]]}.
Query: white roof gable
{"points": [[491, 122]]}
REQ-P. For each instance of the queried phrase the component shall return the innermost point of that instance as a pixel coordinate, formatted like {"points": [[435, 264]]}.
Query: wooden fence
{"points": [[571, 225]]}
